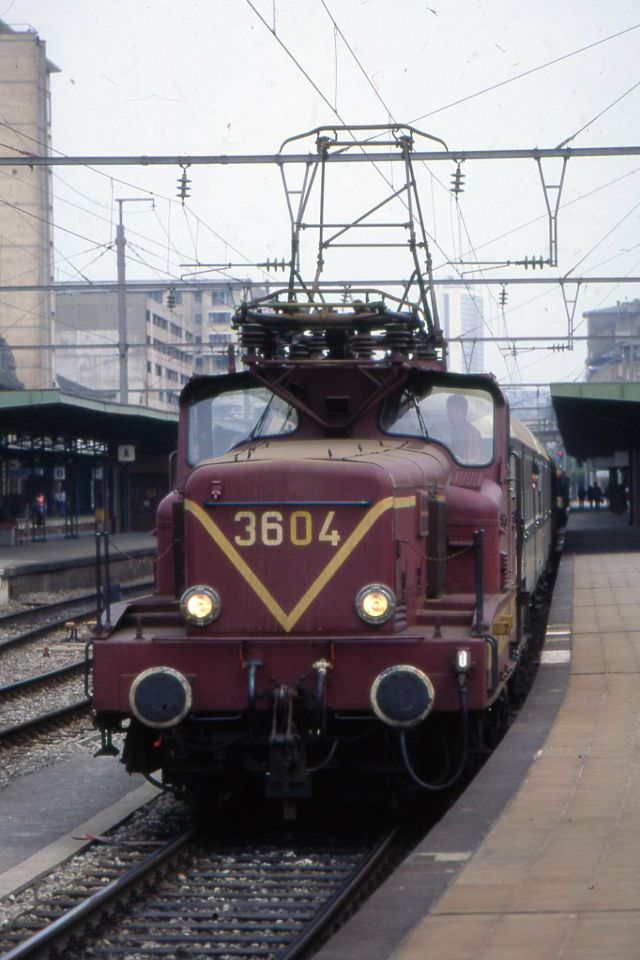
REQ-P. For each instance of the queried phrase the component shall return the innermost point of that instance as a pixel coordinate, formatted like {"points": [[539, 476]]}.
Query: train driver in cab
{"points": [[465, 440]]}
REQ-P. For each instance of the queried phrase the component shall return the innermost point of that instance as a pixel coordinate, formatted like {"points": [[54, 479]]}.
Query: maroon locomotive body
{"points": [[343, 566]]}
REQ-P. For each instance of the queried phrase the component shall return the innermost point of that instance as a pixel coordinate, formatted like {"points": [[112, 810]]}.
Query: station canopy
{"points": [[597, 419], [55, 414]]}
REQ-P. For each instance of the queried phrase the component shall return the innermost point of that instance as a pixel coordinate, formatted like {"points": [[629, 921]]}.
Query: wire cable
{"points": [[598, 115], [525, 73]]}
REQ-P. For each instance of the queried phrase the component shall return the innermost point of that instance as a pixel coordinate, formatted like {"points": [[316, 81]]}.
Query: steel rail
{"points": [[26, 682], [62, 927], [56, 933], [39, 611], [280, 159], [332, 908], [6, 733]]}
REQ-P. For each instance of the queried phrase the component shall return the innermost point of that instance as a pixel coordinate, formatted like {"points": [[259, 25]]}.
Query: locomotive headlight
{"points": [[375, 603], [160, 697], [402, 696], [200, 605]]}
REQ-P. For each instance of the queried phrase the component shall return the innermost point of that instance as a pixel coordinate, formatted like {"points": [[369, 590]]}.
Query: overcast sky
{"points": [[209, 77]]}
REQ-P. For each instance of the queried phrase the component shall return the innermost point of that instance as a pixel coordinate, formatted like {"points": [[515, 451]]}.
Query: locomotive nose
{"points": [[160, 697], [402, 696]]}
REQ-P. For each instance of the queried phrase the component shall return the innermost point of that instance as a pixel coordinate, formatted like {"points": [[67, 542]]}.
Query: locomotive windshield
{"points": [[461, 419], [219, 423]]}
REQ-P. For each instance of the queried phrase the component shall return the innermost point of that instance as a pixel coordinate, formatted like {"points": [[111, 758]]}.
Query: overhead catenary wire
{"points": [[334, 110], [600, 114], [525, 73], [508, 352], [152, 193]]}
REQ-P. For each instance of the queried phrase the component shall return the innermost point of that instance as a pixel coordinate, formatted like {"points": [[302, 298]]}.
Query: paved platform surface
{"points": [[540, 858], [48, 815], [60, 550]]}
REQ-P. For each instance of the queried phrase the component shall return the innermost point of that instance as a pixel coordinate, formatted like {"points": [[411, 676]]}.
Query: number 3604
{"points": [[271, 528]]}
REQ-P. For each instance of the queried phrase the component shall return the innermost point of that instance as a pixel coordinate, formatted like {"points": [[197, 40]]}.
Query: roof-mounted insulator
{"points": [[184, 186], [171, 298], [457, 180]]}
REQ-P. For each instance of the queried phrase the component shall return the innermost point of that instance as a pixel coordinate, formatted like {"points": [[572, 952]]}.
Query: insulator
{"points": [[398, 338], [317, 345], [299, 349], [252, 337], [171, 298], [184, 185], [425, 349], [504, 297], [457, 181], [363, 345], [275, 264]]}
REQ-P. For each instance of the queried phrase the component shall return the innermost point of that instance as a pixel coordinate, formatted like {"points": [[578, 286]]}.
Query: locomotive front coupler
{"points": [[287, 776]]}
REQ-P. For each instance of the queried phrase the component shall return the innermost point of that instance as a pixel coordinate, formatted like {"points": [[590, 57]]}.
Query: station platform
{"points": [[58, 564], [539, 857]]}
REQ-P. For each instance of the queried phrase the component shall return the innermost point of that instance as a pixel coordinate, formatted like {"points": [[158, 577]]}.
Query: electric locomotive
{"points": [[344, 565]]}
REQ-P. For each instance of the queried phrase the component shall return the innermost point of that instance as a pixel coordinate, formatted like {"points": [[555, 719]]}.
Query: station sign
{"points": [[126, 453]]}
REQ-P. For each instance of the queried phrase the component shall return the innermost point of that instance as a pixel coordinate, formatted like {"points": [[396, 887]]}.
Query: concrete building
{"points": [[25, 207], [462, 320], [171, 334], [613, 347]]}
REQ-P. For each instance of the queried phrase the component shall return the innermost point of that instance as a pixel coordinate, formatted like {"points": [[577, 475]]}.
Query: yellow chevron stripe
{"points": [[288, 621]]}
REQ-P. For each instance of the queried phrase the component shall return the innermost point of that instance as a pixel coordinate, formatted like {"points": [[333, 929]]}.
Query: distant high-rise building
{"points": [[462, 322], [25, 208], [171, 335], [613, 345]]}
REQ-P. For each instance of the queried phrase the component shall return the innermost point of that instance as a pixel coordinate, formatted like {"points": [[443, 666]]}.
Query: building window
{"points": [[160, 322], [176, 330], [158, 370], [197, 296], [156, 295], [218, 316], [221, 295]]}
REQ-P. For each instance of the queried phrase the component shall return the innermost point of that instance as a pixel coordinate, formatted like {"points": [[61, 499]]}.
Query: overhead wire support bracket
{"points": [[552, 209], [570, 308]]}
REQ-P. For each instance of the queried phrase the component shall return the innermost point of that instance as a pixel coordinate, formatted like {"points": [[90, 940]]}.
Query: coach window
{"points": [[461, 419], [217, 424]]}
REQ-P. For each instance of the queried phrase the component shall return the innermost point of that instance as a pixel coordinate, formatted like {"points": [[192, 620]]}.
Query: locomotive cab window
{"points": [[460, 419], [219, 423]]}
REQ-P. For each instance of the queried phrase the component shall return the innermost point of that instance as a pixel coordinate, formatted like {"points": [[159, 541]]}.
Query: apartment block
{"points": [[25, 209]]}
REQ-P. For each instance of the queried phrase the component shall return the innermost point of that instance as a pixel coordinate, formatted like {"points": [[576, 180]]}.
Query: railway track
{"points": [[62, 697], [194, 897], [43, 618], [54, 694]]}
